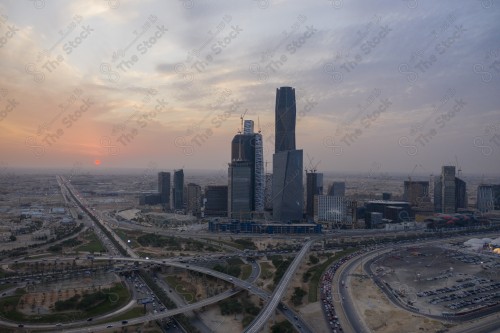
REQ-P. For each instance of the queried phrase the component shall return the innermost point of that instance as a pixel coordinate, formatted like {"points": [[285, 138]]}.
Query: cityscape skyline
{"points": [[386, 83]]}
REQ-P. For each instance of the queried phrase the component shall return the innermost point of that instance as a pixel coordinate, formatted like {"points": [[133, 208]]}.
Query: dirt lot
{"points": [[382, 316]]}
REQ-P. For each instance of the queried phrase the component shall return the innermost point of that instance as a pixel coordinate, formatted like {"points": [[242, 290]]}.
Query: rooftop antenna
{"points": [[258, 124]]}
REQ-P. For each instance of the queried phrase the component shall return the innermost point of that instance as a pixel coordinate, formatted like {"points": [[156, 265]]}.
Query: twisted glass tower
{"points": [[285, 113], [288, 188]]}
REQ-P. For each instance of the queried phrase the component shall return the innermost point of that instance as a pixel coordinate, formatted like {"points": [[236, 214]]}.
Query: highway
{"points": [[259, 321], [270, 306]]}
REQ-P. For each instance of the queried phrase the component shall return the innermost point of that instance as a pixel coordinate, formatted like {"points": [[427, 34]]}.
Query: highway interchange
{"points": [[347, 315]]}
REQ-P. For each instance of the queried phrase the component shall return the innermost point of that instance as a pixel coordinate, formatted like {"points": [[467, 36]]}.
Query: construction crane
{"points": [[241, 118], [312, 167]]}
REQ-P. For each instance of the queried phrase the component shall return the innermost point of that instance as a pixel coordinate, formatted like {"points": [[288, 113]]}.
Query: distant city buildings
{"points": [[488, 197], [215, 200], [178, 190], [450, 192], [391, 212], [337, 189], [314, 186], [288, 200], [194, 199]]}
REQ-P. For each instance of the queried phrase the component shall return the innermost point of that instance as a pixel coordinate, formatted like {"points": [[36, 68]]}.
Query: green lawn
{"points": [[135, 312], [94, 244], [126, 236], [118, 296], [181, 287], [265, 270], [246, 270]]}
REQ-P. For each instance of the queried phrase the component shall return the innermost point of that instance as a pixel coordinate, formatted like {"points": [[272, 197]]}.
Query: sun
{"points": [[97, 162]]}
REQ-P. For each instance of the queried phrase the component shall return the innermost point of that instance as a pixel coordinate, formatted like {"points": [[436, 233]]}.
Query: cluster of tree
{"points": [[313, 259], [233, 270], [79, 302], [298, 293], [232, 305], [158, 241], [282, 327], [281, 266], [246, 243]]}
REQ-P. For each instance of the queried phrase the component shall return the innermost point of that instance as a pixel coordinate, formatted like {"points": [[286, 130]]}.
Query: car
{"points": [[124, 322], [58, 324], [20, 325], [90, 319], [109, 326]]}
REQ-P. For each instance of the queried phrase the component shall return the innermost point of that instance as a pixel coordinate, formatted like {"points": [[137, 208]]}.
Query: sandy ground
{"points": [[310, 312], [382, 316]]}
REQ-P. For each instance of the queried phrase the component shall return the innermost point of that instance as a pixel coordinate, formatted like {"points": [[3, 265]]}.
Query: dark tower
{"points": [[178, 191], [164, 188], [285, 114]]}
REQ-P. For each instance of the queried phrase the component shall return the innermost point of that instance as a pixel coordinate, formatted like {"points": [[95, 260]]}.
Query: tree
{"points": [[12, 238], [282, 327]]}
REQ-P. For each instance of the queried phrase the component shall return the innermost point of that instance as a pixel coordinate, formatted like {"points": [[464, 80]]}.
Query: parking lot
{"points": [[441, 280]]}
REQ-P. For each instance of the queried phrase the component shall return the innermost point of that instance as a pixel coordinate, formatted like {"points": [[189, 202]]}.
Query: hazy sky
{"points": [[399, 84]]}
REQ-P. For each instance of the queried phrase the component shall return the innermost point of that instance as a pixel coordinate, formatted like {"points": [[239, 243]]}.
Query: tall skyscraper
{"points": [[444, 191], [240, 190], [248, 147], [178, 191], [285, 114], [288, 188], [337, 189], [194, 199], [314, 186], [164, 189], [450, 192]]}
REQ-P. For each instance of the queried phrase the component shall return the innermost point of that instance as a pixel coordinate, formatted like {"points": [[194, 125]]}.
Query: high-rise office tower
{"points": [[178, 190], [450, 192], [461, 201], [164, 189], [337, 189], [485, 197], [194, 199], [285, 114], [239, 190], [288, 188], [248, 147], [314, 186]]}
